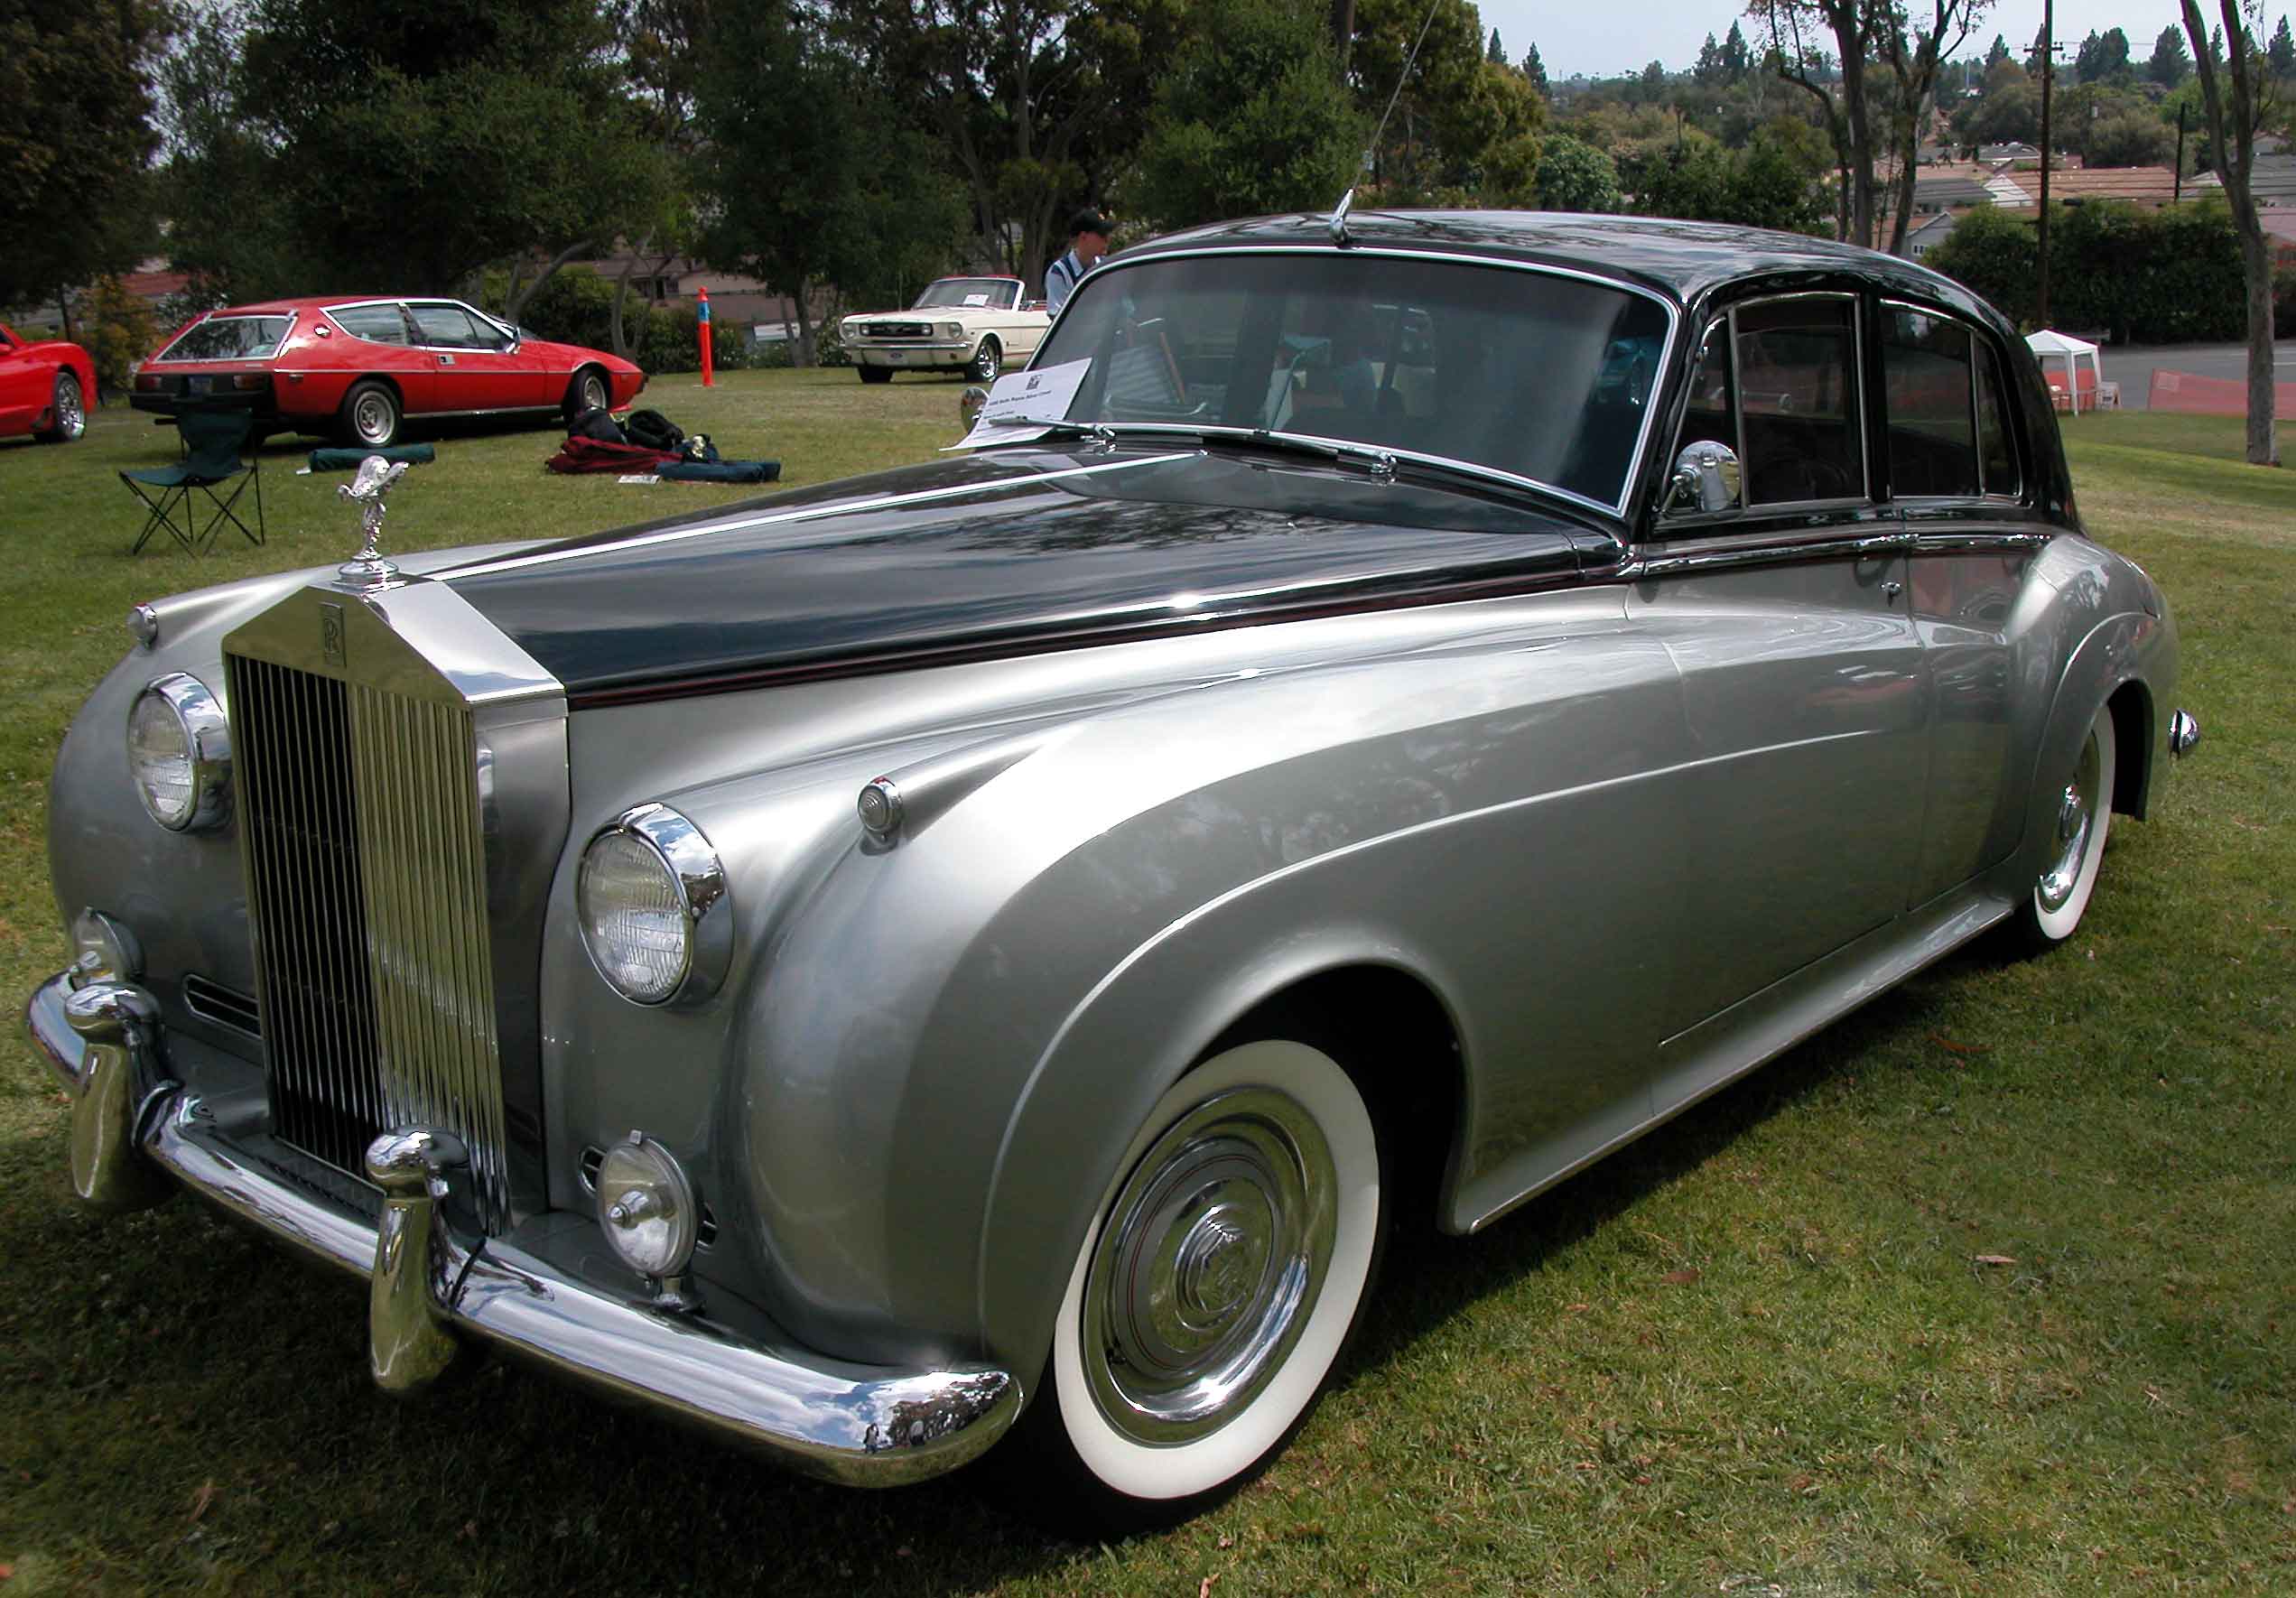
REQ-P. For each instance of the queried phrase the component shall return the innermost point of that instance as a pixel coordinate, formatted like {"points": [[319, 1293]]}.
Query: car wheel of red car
{"points": [[588, 391], [875, 374], [66, 412], [370, 415]]}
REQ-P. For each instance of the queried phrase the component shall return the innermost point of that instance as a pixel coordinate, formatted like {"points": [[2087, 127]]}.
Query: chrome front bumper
{"points": [[136, 1134]]}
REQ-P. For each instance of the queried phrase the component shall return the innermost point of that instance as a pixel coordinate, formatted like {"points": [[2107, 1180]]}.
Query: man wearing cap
{"points": [[1087, 243]]}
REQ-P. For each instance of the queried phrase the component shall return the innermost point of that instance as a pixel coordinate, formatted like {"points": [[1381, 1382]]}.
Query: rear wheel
{"points": [[1211, 1300], [66, 412], [875, 374], [2081, 813], [370, 415]]}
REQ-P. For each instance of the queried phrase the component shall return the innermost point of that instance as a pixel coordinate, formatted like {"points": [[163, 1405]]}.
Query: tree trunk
{"points": [[515, 306], [804, 313], [2255, 263]]}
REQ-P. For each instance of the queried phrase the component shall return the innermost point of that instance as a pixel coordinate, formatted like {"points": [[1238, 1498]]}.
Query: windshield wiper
{"points": [[1100, 432], [1370, 456]]}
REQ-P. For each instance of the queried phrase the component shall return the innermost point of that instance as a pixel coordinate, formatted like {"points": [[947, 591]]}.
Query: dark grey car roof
{"points": [[1680, 259]]}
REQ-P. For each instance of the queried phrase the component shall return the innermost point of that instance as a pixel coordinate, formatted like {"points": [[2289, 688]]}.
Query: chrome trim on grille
{"points": [[405, 808]]}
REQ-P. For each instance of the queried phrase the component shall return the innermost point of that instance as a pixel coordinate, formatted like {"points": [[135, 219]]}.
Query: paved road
{"points": [[2132, 364]]}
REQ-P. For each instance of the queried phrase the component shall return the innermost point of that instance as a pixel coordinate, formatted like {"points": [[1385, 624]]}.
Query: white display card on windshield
{"points": [[1022, 401]]}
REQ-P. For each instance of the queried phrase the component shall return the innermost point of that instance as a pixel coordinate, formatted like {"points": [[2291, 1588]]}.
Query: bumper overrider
{"points": [[137, 1134]]}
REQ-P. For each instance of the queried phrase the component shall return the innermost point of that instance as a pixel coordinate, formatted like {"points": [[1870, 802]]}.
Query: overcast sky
{"points": [[1604, 40]]}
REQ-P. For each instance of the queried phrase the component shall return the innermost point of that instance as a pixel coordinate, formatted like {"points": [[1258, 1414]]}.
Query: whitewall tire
{"points": [[1211, 1302], [2080, 814]]}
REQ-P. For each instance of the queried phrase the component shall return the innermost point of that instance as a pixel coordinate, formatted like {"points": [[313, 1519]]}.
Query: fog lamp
{"points": [[647, 1208], [178, 752], [107, 952]]}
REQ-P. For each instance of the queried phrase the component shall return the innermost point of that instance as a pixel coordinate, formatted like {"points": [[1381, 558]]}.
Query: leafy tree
{"points": [[1463, 130], [1710, 68], [2281, 53], [2128, 138], [1913, 50], [1497, 54], [2104, 58], [2171, 62], [1252, 119], [1765, 185], [228, 226], [414, 145], [812, 184], [2008, 111], [1535, 70], [74, 138], [1996, 254], [120, 332], [1997, 54], [1737, 58], [1575, 176]]}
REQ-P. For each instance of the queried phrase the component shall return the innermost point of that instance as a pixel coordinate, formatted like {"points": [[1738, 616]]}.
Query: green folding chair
{"points": [[215, 451]]}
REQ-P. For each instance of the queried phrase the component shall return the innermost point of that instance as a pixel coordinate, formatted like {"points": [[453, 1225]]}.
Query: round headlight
{"points": [[952, 330], [651, 894], [645, 1207], [179, 751]]}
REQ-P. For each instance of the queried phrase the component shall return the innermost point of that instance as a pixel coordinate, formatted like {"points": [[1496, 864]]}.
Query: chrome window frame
{"points": [[1976, 430], [1858, 378], [1109, 266], [329, 312], [1978, 341], [415, 325], [166, 355]]}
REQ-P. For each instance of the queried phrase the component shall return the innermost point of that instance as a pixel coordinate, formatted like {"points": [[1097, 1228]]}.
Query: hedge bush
{"points": [[2166, 276]]}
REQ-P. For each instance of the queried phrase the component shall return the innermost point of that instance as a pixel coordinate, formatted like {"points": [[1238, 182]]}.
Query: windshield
{"points": [[1526, 372], [230, 338], [994, 293]]}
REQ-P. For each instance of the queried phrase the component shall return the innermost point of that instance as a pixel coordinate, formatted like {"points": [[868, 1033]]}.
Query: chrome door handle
{"points": [[1892, 589]]}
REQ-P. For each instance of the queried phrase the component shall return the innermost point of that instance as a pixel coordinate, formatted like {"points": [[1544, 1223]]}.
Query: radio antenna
{"points": [[1339, 212]]}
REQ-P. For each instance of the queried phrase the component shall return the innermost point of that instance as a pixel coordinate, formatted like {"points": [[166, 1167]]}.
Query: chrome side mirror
{"points": [[1706, 477], [969, 407]]}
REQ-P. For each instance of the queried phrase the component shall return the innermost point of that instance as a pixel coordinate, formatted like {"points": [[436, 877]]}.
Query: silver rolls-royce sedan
{"points": [[996, 947]]}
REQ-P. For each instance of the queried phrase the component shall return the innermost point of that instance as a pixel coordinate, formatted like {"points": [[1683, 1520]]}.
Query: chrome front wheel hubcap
{"points": [[2075, 819], [1209, 1265]]}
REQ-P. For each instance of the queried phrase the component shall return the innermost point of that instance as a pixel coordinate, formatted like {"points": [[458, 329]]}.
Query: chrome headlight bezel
{"points": [[206, 735], [696, 880]]}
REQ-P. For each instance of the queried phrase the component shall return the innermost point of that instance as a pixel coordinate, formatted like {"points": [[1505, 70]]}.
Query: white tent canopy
{"points": [[2069, 351]]}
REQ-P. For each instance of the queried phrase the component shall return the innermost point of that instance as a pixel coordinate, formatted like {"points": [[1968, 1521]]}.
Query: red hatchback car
{"points": [[359, 365], [44, 386]]}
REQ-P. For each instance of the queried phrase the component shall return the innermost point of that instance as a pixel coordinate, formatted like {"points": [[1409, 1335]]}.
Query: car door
{"points": [[24, 394], [1783, 607], [478, 366], [1956, 477], [373, 337]]}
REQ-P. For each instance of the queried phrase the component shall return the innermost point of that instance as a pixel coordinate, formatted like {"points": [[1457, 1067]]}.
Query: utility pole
{"points": [[2182, 109], [2048, 61]]}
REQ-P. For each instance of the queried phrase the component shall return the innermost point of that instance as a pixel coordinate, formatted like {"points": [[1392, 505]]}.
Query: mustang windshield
{"points": [[1526, 372], [996, 293]]}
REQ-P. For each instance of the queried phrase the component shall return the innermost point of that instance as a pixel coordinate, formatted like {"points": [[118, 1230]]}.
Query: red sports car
{"points": [[44, 388], [357, 366]]}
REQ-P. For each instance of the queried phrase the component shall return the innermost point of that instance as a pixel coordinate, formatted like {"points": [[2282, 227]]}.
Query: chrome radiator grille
{"points": [[366, 869]]}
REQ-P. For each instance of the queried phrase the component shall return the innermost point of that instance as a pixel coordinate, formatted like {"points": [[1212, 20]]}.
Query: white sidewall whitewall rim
{"points": [[1318, 1083], [2058, 924]]}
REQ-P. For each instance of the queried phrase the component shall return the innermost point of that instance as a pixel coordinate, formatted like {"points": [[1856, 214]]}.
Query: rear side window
{"points": [[1798, 396], [1996, 446], [378, 324], [1927, 381], [230, 338]]}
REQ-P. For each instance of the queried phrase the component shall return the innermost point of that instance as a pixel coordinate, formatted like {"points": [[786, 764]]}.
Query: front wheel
{"points": [[987, 362], [66, 412], [1209, 1304], [588, 391], [370, 415], [875, 374], [2080, 814]]}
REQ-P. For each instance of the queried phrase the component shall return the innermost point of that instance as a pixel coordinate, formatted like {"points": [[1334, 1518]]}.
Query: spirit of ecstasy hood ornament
{"points": [[366, 490]]}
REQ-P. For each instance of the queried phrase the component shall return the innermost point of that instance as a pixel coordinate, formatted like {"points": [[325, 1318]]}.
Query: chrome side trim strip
{"points": [[864, 1425], [809, 514], [1865, 547]]}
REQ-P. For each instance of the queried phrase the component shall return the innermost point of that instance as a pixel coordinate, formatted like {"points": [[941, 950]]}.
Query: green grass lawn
{"points": [[1754, 1353]]}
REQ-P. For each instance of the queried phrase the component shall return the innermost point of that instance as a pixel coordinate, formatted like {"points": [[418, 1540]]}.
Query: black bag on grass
{"points": [[654, 430], [593, 423]]}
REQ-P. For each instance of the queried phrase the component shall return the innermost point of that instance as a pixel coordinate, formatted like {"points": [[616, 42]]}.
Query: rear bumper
{"points": [[135, 1135]]}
